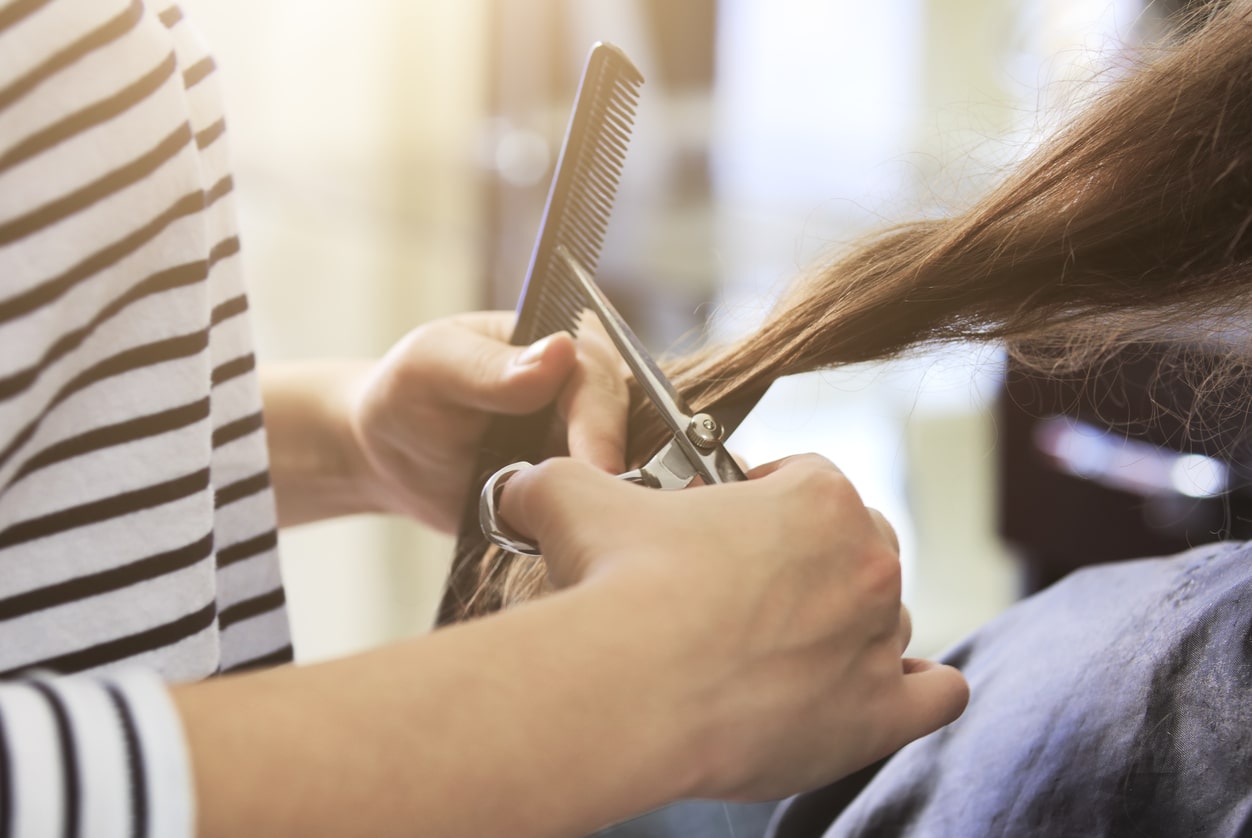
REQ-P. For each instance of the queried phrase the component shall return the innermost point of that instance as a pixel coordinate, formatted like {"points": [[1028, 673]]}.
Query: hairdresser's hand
{"points": [[420, 413], [774, 607]]}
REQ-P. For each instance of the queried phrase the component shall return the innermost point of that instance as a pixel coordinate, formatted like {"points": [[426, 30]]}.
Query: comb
{"points": [[580, 200]]}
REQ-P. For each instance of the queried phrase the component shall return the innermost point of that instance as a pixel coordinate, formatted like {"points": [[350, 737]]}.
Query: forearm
{"points": [[488, 728], [317, 469]]}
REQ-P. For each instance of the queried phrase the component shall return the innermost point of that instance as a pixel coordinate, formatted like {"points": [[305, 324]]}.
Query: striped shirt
{"points": [[137, 528]]}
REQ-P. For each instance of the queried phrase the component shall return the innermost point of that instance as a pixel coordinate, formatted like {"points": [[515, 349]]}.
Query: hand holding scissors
{"points": [[696, 448]]}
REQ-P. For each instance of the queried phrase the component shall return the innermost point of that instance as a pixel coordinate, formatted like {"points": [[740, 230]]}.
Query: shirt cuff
{"points": [[98, 756]]}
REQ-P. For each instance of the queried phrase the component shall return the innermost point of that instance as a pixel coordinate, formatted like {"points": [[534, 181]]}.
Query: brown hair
{"points": [[1134, 217]]}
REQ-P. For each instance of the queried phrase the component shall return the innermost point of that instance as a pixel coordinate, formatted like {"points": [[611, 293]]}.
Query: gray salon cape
{"points": [[1118, 702]]}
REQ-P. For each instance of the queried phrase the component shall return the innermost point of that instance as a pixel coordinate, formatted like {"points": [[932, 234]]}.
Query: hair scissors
{"points": [[695, 450]]}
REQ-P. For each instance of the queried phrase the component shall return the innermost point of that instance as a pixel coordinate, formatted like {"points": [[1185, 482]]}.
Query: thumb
{"points": [[934, 695], [559, 503], [532, 376], [481, 373]]}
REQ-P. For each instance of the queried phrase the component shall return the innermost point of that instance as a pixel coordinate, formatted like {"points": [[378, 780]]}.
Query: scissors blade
{"points": [[696, 447], [653, 382]]}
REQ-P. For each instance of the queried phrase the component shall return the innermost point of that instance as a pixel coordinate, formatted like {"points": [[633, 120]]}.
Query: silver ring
{"points": [[493, 527]]}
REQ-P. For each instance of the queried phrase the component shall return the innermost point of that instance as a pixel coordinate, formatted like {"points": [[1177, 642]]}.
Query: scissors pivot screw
{"points": [[704, 432]]}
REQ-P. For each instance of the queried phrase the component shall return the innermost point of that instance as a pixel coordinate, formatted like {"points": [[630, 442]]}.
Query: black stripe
{"points": [[253, 607], [107, 436], [114, 506], [102, 35], [82, 587], [234, 368], [247, 549], [241, 489], [238, 429], [145, 355], [69, 760], [49, 290], [125, 647], [14, 12], [231, 308], [141, 356], [223, 187], [197, 72], [224, 248], [166, 280], [206, 136], [134, 758], [279, 656], [90, 116], [171, 16], [6, 783], [99, 189]]}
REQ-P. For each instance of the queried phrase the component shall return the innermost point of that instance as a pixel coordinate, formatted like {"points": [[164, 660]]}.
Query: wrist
{"points": [[696, 652], [637, 684], [316, 462], [665, 665]]}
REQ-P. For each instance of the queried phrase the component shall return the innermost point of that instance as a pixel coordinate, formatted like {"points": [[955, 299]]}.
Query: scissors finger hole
{"points": [[489, 521]]}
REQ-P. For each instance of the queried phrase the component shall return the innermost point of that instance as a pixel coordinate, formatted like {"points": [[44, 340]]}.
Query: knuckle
{"points": [[817, 479], [884, 527], [906, 627], [421, 349], [428, 335], [880, 572]]}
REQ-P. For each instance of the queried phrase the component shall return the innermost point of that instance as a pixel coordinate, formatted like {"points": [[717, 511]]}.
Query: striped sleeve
{"points": [[137, 530], [99, 757]]}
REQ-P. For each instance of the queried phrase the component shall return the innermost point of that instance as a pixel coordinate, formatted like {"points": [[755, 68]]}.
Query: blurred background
{"points": [[392, 160]]}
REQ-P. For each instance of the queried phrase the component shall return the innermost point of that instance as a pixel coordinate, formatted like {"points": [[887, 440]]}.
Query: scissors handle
{"points": [[501, 534], [489, 520], [655, 474]]}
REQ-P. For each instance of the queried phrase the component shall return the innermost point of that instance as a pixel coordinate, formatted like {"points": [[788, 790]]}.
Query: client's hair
{"points": [[1132, 220]]}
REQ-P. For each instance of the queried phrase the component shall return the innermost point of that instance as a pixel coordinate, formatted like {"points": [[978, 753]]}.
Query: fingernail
{"points": [[531, 355]]}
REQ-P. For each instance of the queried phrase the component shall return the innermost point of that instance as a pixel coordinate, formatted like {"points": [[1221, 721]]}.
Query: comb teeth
{"points": [[581, 197]]}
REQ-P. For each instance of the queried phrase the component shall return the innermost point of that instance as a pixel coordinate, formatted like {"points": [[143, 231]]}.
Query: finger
{"points": [[933, 695], [884, 528], [556, 503], [595, 401], [905, 632], [472, 370], [793, 462]]}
